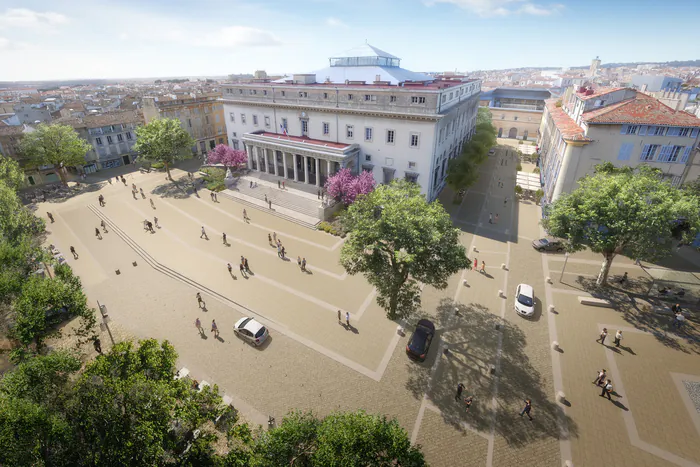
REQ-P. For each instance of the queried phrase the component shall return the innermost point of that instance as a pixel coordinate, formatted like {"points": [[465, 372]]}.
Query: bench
{"points": [[592, 301], [666, 310]]}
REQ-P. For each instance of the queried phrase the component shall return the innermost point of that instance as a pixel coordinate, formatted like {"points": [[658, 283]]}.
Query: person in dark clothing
{"points": [[98, 345], [527, 409], [50, 216], [460, 388]]}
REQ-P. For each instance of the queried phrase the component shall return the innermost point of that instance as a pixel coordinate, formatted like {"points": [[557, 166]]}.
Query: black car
{"points": [[548, 244], [419, 343]]}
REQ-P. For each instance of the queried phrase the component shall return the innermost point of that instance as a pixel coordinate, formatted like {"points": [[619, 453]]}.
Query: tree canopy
{"points": [[55, 144], [10, 173], [345, 187], [229, 157], [463, 171], [165, 141], [623, 211], [395, 239], [484, 116]]}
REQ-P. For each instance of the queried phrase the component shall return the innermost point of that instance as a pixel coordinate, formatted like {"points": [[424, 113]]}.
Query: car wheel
{"points": [[540, 249]]}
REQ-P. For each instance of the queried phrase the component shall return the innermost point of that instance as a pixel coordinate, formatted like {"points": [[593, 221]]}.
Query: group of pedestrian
{"points": [[148, 225], [347, 319], [604, 333], [603, 382], [302, 263], [243, 267], [280, 184], [678, 317], [493, 220], [214, 329], [482, 270], [214, 197], [467, 400], [277, 242]]}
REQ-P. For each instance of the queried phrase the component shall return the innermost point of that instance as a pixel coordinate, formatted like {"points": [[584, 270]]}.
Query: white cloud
{"points": [[501, 7], [234, 36], [25, 18], [335, 23]]}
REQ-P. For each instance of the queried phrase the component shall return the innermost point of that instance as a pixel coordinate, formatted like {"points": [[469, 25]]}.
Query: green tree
{"points": [[463, 171], [55, 144], [16, 221], [622, 211], [397, 238], [484, 116], [165, 141], [10, 173]]}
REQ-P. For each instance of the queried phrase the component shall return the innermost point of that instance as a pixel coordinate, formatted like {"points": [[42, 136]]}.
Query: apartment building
{"points": [[590, 126], [201, 116], [362, 112], [516, 112]]}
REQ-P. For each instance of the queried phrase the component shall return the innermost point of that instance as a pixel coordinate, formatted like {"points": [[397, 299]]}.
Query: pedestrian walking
{"points": [[269, 203], [303, 264], [195, 191], [245, 216], [637, 262], [347, 318], [460, 388], [678, 318], [153, 205], [103, 225], [251, 184], [198, 325], [618, 338], [468, 402], [101, 199], [339, 316], [133, 186], [279, 243], [98, 234], [200, 301], [143, 195], [607, 389], [72, 250], [279, 184], [204, 234], [229, 267], [599, 378], [483, 268], [241, 268], [603, 335], [266, 198], [145, 224], [109, 180], [97, 344], [274, 236], [527, 409], [318, 194], [224, 237], [150, 227], [283, 252], [155, 221], [269, 239], [490, 218], [496, 219], [133, 193], [50, 216], [505, 200], [211, 195], [215, 329], [283, 184], [279, 250], [245, 263], [476, 263], [123, 180]]}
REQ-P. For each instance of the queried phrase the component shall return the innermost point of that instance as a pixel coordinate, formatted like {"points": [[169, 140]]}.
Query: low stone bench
{"points": [[666, 310], [592, 301]]}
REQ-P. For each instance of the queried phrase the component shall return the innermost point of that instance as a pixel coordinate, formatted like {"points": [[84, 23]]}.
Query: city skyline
{"points": [[99, 40]]}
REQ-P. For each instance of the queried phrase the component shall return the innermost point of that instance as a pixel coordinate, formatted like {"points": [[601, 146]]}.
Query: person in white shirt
{"points": [[618, 338]]}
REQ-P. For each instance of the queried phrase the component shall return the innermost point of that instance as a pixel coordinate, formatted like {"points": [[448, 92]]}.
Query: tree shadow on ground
{"points": [[177, 189], [473, 338], [646, 313], [57, 193]]}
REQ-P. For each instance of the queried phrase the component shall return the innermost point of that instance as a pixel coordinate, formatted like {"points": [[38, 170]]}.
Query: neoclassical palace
{"points": [[363, 112]]}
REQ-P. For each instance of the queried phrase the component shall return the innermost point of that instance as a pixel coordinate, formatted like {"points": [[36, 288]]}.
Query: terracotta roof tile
{"points": [[597, 92], [566, 125], [641, 109]]}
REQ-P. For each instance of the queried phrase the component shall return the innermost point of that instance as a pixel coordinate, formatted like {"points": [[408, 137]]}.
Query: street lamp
{"points": [[105, 320]]}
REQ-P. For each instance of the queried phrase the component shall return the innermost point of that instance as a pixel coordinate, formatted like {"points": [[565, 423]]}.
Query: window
{"points": [[217, 118], [304, 127], [235, 144], [648, 152], [370, 98], [349, 97], [450, 98], [443, 98], [212, 144], [625, 151], [189, 122], [392, 98], [283, 93], [655, 131], [264, 92], [303, 94], [390, 136], [410, 177], [109, 140], [221, 141], [418, 100], [242, 119], [515, 117], [267, 122], [349, 131], [368, 134], [629, 129], [673, 131], [120, 137], [234, 134], [442, 135], [206, 119], [675, 153], [284, 124], [326, 128], [98, 141], [251, 91], [411, 165], [686, 154], [414, 140], [368, 158], [684, 132], [240, 91], [325, 95], [232, 116], [128, 135], [255, 120]]}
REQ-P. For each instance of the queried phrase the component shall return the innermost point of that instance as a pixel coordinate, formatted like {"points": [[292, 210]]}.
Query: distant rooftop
{"points": [[641, 109], [565, 124], [301, 139]]}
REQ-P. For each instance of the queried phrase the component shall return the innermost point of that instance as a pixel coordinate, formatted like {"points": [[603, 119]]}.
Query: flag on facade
{"points": [[284, 130]]}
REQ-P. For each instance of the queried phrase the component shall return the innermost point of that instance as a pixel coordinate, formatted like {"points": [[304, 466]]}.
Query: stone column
{"points": [[328, 168], [318, 172], [296, 171], [258, 158], [306, 169], [248, 151], [284, 164], [274, 158]]}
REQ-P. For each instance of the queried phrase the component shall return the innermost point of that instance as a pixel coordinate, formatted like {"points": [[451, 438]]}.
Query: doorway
{"points": [[513, 133]]}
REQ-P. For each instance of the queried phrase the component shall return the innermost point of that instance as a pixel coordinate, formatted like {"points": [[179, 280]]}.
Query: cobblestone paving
{"points": [[693, 388]]}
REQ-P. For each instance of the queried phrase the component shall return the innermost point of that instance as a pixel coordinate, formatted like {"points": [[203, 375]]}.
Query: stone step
{"points": [[279, 198], [308, 225]]}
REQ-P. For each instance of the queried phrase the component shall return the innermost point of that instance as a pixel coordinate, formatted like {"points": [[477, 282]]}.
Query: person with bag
{"points": [[607, 389]]}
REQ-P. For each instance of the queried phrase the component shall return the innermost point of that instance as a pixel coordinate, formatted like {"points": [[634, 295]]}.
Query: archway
{"points": [[513, 133]]}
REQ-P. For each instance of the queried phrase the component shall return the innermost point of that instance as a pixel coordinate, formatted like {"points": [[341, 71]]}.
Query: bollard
{"points": [[551, 308], [561, 396], [503, 265], [555, 345], [568, 464], [474, 248], [500, 293], [464, 282], [549, 280], [456, 311]]}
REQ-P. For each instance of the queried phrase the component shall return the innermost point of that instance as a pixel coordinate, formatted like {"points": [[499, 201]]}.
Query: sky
{"points": [[57, 39]]}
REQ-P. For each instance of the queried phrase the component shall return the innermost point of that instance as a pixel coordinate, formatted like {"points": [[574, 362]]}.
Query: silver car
{"points": [[251, 331]]}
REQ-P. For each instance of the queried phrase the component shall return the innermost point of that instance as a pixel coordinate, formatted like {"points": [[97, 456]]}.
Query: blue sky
{"points": [[148, 38]]}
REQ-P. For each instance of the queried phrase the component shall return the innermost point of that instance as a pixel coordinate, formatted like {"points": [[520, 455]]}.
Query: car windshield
{"points": [[260, 332], [419, 341], [245, 321], [525, 300], [544, 241]]}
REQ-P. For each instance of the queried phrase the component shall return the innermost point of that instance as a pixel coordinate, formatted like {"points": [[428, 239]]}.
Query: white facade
{"points": [[407, 131]]}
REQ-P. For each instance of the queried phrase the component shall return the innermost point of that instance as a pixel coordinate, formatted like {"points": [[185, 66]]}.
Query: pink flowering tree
{"points": [[345, 187], [229, 157]]}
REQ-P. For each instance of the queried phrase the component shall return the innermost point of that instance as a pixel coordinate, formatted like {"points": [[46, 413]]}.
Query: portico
{"points": [[300, 159]]}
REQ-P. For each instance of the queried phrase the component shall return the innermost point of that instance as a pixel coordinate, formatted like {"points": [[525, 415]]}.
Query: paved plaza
{"points": [[313, 361]]}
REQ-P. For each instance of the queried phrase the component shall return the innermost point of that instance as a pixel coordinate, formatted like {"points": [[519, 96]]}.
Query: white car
{"points": [[251, 331], [524, 300], [492, 152]]}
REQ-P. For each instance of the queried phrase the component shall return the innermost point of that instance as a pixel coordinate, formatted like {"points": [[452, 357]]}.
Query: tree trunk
{"points": [[394, 303], [604, 270], [167, 170], [62, 176]]}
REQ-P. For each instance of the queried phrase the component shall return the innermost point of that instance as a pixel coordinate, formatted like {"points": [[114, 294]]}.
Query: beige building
{"points": [[618, 125], [201, 116], [516, 112]]}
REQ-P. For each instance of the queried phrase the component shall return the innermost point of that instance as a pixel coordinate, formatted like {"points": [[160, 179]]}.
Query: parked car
{"points": [[548, 244], [524, 300], [419, 343], [492, 152], [251, 331]]}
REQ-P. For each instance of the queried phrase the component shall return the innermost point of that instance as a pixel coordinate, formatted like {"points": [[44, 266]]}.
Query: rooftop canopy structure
{"points": [[365, 55]]}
